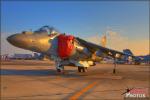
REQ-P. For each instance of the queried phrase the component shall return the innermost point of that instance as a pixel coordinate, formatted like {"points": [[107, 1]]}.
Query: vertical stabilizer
{"points": [[127, 51]]}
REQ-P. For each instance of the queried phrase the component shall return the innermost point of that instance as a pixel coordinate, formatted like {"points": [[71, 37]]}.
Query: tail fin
{"points": [[127, 51]]}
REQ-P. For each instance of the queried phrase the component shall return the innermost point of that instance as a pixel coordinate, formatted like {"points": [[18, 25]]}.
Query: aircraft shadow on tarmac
{"points": [[36, 73], [29, 64]]}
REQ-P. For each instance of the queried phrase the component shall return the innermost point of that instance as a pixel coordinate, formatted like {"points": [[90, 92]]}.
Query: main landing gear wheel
{"points": [[82, 69]]}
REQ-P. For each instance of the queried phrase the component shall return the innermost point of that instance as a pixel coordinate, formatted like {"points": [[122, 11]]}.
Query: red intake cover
{"points": [[65, 45]]}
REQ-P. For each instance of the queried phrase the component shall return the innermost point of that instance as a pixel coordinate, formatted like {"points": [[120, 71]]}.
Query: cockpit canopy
{"points": [[46, 30]]}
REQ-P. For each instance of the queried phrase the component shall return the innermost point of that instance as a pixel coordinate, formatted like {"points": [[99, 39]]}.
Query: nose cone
{"points": [[18, 40]]}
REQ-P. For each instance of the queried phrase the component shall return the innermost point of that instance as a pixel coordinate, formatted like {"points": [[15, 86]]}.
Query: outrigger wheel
{"points": [[82, 69]]}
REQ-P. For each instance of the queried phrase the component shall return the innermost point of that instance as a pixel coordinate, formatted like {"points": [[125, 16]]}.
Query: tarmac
{"points": [[38, 80]]}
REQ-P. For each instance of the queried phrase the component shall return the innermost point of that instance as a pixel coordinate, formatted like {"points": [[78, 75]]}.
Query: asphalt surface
{"points": [[38, 80]]}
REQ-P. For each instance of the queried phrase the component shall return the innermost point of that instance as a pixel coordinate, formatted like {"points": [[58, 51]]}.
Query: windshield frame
{"points": [[46, 30]]}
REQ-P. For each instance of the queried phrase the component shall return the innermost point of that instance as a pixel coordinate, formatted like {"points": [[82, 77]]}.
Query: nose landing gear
{"points": [[60, 69]]}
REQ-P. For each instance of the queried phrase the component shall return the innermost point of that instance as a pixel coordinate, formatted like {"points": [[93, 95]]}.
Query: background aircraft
{"points": [[137, 59], [64, 49]]}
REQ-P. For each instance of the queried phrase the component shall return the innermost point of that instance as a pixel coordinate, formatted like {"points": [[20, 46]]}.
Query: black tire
{"points": [[58, 70], [79, 69], [83, 69], [114, 71]]}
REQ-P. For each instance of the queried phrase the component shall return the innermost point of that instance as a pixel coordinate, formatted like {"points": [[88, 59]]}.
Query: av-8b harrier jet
{"points": [[62, 48]]}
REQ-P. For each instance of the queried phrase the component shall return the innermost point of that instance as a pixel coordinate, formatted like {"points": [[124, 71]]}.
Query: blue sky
{"points": [[76, 17], [83, 19]]}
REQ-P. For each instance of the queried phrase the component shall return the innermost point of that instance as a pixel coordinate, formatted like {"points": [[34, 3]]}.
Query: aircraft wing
{"points": [[103, 52]]}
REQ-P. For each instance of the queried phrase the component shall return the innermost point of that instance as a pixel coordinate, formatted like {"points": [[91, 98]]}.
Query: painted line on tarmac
{"points": [[82, 91]]}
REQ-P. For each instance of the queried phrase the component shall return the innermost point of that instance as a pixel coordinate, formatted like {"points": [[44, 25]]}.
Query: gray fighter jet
{"points": [[62, 48]]}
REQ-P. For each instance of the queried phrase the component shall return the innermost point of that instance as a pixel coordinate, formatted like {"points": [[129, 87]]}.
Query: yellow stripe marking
{"points": [[78, 94]]}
